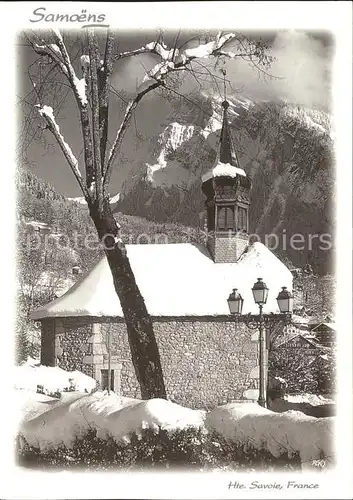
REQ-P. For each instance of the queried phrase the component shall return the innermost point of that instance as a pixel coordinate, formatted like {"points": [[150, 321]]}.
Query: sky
{"points": [[301, 73]]}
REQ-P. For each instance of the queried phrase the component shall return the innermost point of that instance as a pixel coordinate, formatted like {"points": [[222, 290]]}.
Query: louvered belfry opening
{"points": [[227, 190]]}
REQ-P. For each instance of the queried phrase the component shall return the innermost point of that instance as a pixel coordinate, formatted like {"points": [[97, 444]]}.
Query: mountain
{"points": [[287, 151], [81, 201]]}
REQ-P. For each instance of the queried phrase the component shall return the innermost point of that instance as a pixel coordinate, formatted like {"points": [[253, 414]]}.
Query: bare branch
{"points": [[122, 129], [47, 113], [103, 86]]}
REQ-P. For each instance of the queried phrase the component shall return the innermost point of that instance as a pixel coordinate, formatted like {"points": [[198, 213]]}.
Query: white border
{"points": [[333, 16]]}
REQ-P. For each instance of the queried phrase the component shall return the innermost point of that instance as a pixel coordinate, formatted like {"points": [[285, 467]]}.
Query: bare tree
{"points": [[91, 93]]}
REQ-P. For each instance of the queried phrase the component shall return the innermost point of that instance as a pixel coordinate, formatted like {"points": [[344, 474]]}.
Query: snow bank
{"points": [[152, 414], [110, 415], [288, 432], [312, 399], [29, 404], [31, 374]]}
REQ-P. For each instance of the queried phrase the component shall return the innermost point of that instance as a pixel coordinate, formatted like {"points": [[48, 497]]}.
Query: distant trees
{"points": [[303, 374]]}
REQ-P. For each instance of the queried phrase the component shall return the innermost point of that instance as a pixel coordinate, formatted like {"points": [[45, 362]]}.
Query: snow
{"points": [[109, 414], [252, 425], [201, 51], [313, 399], [80, 85], [162, 50], [31, 373], [79, 199], [223, 169], [115, 198], [47, 423], [180, 280], [158, 71], [47, 112], [37, 224], [55, 48], [84, 61], [169, 173], [205, 50]]}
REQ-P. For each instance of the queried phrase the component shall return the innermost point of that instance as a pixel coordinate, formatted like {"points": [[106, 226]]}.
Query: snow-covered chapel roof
{"points": [[175, 280]]}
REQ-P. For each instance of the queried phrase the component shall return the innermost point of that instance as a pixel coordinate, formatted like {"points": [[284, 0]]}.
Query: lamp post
{"points": [[260, 293], [262, 322]]}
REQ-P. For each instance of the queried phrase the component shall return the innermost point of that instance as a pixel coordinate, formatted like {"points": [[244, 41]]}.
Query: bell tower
{"points": [[227, 190]]}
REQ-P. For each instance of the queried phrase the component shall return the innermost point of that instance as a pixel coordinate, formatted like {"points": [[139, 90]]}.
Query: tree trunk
{"points": [[143, 345]]}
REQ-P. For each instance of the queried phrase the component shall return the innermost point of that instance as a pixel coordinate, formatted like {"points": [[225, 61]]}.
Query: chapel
{"points": [[208, 356]]}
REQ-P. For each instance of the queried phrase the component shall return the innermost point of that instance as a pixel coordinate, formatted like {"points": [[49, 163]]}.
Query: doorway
{"points": [[104, 380]]}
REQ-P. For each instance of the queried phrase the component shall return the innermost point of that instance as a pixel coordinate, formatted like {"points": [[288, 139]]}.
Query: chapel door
{"points": [[104, 380]]}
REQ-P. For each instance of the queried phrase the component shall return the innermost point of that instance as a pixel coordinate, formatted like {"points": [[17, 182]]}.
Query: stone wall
{"points": [[225, 247], [48, 342], [72, 344], [206, 362]]}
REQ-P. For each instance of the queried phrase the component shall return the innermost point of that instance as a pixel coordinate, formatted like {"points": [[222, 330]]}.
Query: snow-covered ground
{"points": [[47, 422], [312, 399], [31, 374]]}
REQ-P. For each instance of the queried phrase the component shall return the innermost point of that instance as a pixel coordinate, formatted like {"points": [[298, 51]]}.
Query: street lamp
{"points": [[235, 302], [285, 301], [260, 292], [261, 322]]}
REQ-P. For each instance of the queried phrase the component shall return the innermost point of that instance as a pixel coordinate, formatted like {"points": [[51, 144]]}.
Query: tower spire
{"points": [[227, 189], [227, 153]]}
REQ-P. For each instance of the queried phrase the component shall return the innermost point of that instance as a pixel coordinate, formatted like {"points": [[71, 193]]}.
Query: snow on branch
{"points": [[53, 51], [182, 57], [47, 113], [58, 52], [78, 85], [151, 48], [79, 89], [178, 59]]}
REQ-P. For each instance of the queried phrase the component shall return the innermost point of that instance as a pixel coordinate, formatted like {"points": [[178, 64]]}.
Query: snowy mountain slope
{"points": [[81, 201], [287, 150]]}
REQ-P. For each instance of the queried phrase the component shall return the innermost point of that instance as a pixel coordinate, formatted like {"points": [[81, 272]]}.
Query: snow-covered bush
{"points": [[192, 448], [291, 432]]}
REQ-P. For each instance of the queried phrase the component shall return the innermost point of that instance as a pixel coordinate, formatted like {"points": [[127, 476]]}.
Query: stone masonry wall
{"points": [[72, 344], [48, 342], [205, 362], [227, 248]]}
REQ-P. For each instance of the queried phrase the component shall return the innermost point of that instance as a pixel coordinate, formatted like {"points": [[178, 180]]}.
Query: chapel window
{"points": [[225, 218], [242, 223]]}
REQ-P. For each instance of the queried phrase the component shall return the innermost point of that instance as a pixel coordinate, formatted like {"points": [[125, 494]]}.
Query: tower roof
{"points": [[227, 152], [227, 163]]}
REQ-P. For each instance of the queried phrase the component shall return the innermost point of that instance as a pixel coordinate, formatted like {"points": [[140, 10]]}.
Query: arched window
{"points": [[225, 218]]}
